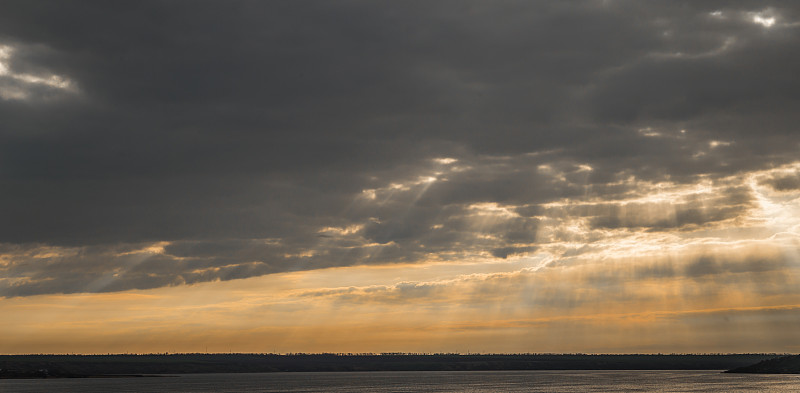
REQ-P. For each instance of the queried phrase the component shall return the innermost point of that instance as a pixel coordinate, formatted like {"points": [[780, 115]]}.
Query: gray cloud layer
{"points": [[238, 131]]}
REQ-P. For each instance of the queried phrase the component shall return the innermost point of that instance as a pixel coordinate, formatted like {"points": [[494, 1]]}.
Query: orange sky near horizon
{"points": [[644, 293]]}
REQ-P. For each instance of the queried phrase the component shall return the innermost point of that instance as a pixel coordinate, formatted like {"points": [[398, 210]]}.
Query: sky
{"points": [[418, 176]]}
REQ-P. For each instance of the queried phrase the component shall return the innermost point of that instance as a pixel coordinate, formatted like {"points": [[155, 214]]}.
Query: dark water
{"points": [[425, 381]]}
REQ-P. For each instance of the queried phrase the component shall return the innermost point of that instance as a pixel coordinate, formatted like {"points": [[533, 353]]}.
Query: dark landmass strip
{"points": [[781, 365], [27, 372], [74, 366]]}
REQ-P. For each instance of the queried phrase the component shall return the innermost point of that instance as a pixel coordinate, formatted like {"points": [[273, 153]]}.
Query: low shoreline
{"points": [[779, 365], [117, 366], [70, 376]]}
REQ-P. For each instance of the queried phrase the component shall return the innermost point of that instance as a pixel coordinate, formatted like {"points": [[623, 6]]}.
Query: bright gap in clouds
{"points": [[22, 85], [764, 21], [766, 18]]}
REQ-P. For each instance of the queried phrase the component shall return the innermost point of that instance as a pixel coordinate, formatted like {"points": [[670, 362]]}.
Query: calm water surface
{"points": [[425, 381]]}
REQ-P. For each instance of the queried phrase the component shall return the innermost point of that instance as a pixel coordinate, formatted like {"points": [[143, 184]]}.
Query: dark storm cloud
{"points": [[692, 212], [784, 183], [215, 125]]}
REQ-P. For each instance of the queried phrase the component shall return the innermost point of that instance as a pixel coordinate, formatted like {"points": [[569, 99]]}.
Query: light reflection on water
{"points": [[425, 381]]}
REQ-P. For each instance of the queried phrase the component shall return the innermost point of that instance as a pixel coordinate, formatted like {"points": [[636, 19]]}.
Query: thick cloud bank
{"points": [[152, 144]]}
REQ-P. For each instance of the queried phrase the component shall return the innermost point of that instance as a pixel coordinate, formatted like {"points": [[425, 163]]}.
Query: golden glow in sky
{"points": [[617, 275]]}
